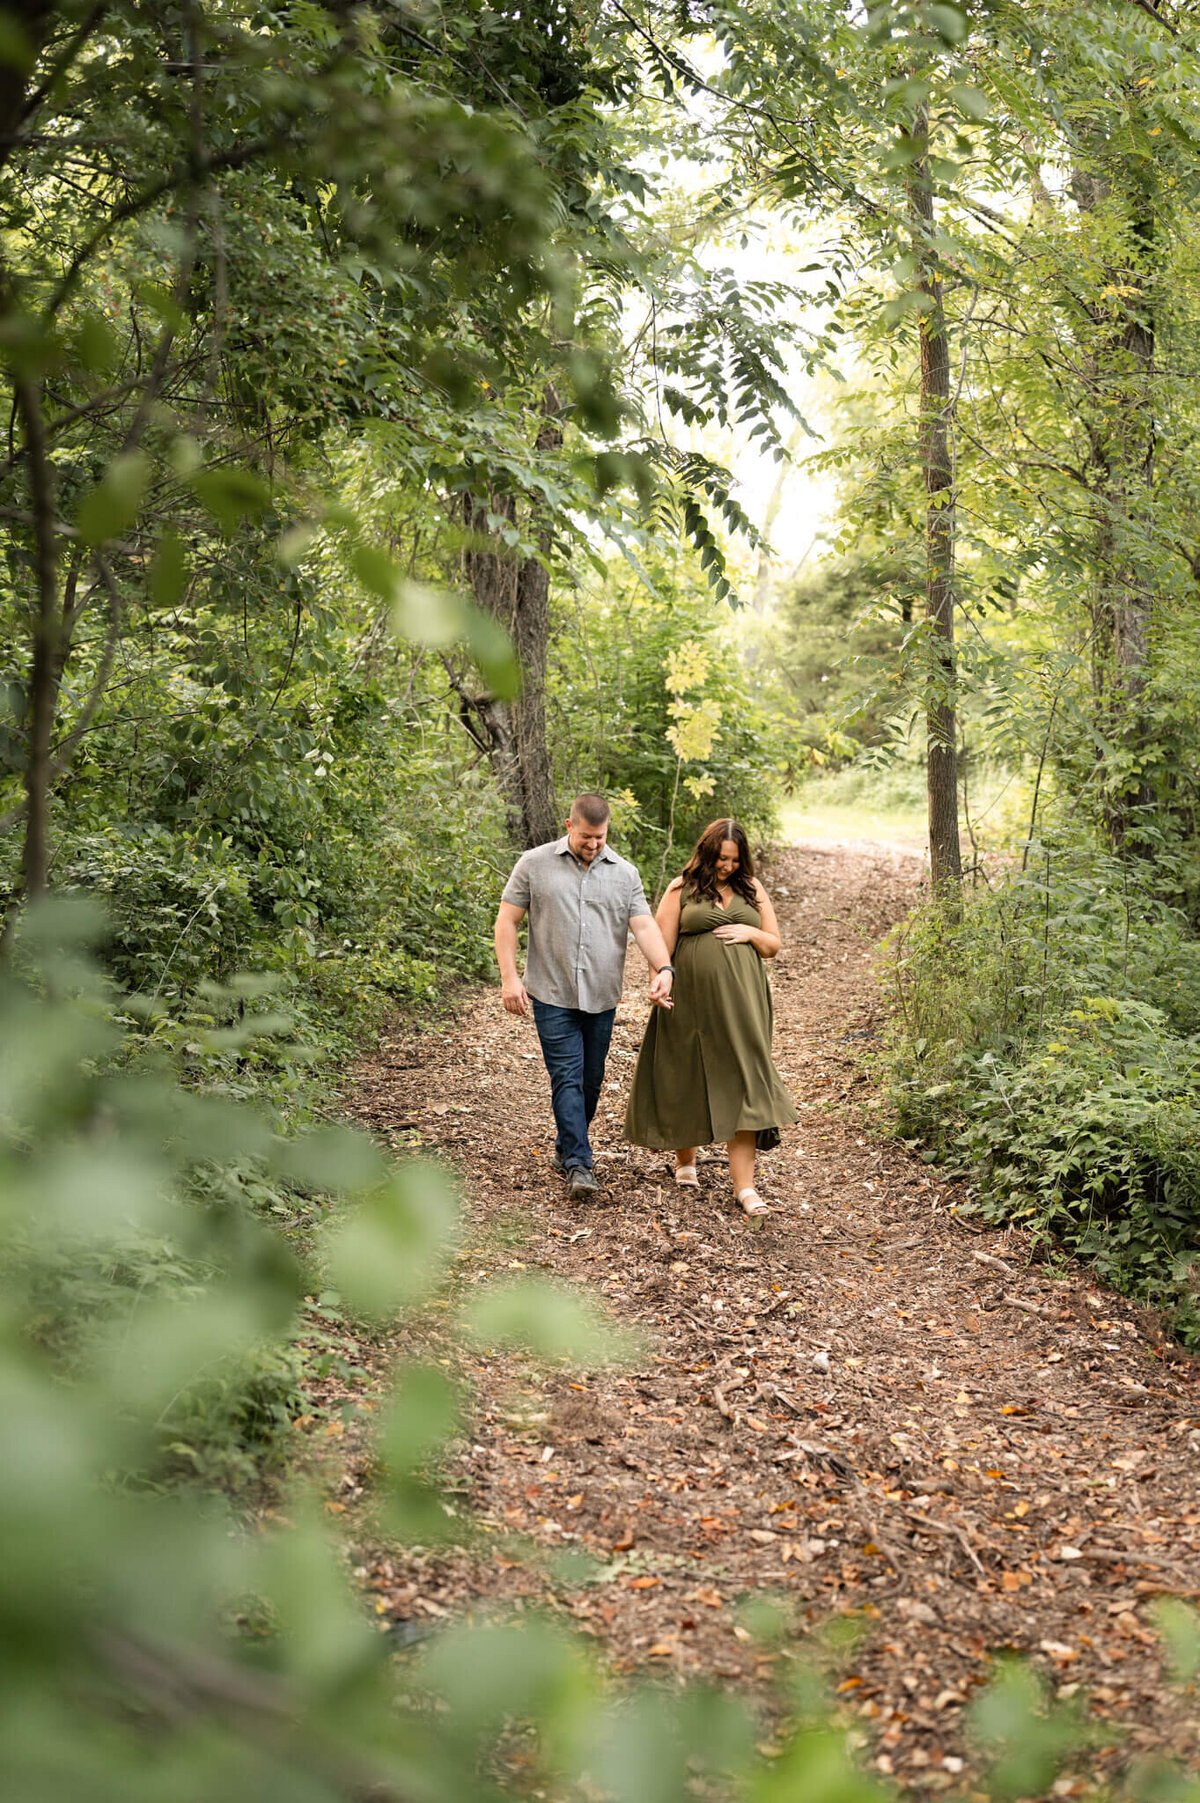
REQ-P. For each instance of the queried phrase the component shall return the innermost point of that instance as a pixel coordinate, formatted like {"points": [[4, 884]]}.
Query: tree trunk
{"points": [[518, 595], [35, 18], [46, 635], [937, 469], [541, 818], [1121, 463]]}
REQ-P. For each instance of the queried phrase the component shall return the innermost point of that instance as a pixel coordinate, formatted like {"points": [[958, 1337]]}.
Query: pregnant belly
{"points": [[707, 959]]}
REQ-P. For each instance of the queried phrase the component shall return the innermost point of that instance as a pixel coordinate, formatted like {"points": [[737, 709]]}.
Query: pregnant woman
{"points": [[705, 1070]]}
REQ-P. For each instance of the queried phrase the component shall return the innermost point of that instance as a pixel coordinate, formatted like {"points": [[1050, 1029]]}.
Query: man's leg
{"points": [[560, 1031], [597, 1032]]}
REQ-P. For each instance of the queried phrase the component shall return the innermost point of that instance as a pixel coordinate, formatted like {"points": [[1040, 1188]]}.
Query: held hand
{"points": [[516, 1001], [661, 985], [734, 935]]}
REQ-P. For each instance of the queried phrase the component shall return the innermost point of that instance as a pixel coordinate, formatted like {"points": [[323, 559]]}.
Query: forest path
{"points": [[993, 1457]]}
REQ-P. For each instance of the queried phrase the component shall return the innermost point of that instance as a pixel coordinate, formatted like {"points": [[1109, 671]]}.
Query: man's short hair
{"points": [[591, 808]]}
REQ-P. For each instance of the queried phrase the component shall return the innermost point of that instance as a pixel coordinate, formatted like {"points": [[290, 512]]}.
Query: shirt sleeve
{"points": [[637, 896], [517, 890]]}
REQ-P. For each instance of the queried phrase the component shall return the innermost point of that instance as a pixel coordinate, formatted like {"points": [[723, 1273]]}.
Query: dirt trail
{"points": [[857, 1404]]}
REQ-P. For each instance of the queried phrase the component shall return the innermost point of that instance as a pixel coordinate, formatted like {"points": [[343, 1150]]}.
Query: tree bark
{"points": [[46, 633], [518, 595], [1121, 464], [36, 19], [937, 469]]}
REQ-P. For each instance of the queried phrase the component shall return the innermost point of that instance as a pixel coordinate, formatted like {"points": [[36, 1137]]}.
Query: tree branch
{"points": [[212, 163], [66, 747]]}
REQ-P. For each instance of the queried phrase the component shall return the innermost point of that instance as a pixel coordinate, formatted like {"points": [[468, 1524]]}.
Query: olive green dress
{"points": [[705, 1070]]}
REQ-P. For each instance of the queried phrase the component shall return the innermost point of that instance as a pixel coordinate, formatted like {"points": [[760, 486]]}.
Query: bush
{"points": [[1047, 1041], [631, 668]]}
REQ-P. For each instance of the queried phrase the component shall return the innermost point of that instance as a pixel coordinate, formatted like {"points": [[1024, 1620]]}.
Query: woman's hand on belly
{"points": [[735, 934]]}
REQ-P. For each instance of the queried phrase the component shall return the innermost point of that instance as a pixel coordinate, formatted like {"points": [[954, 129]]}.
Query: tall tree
{"points": [[935, 424]]}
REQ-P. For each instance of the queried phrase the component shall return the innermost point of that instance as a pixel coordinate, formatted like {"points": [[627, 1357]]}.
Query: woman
{"points": [[705, 1072]]}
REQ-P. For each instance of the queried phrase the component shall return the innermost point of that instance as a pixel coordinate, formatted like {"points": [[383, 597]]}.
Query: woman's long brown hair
{"points": [[700, 871]]}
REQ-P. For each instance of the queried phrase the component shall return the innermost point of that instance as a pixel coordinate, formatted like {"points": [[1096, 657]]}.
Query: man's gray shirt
{"points": [[579, 918]]}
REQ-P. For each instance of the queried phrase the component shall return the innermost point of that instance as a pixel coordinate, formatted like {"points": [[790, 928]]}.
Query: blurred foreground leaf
{"points": [[551, 1322]]}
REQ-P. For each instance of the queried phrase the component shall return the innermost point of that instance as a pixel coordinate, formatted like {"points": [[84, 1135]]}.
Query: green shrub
{"points": [[1046, 1041], [613, 707]]}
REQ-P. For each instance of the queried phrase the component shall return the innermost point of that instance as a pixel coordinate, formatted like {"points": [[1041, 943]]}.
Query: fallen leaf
{"points": [[642, 1583]]}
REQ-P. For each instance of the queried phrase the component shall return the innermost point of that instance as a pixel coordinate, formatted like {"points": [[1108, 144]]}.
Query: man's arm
{"points": [[512, 990], [653, 948]]}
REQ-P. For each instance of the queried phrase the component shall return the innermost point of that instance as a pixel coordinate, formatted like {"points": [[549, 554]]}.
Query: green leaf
{"points": [[549, 1321], [1179, 1626], [332, 1159], [950, 22], [27, 345], [429, 616], [420, 1417], [323, 1637], [379, 574], [440, 618], [160, 301], [84, 1192], [231, 494], [943, 170], [897, 310], [16, 51], [1029, 1737], [392, 1250], [496, 1673], [902, 154], [170, 570], [969, 101], [167, 1345], [96, 345], [493, 651], [817, 1766], [111, 507]]}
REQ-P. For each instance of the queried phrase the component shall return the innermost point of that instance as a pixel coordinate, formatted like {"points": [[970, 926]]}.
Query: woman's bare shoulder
{"points": [[673, 887], [760, 893]]}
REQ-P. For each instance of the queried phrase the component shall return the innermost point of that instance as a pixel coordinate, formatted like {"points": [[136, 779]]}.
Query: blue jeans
{"points": [[574, 1046]]}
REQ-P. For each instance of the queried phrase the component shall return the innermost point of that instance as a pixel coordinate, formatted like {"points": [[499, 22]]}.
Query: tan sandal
{"points": [[686, 1176], [751, 1203]]}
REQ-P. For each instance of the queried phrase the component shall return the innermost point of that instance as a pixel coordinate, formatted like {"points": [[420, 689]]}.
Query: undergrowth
{"points": [[1045, 1041]]}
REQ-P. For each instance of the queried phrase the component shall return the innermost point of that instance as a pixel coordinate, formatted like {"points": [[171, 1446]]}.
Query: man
{"points": [[582, 900]]}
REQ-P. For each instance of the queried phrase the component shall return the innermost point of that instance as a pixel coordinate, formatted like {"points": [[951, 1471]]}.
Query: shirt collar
{"points": [[607, 856]]}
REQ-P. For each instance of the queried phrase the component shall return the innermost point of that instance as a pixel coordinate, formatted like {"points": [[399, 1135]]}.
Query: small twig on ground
{"points": [[920, 1520], [1031, 1308]]}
